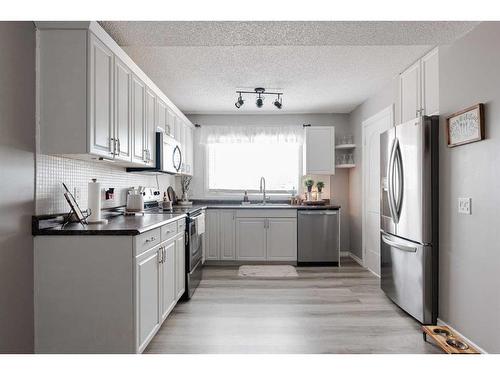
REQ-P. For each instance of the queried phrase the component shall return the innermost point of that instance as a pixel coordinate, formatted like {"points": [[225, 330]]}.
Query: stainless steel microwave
{"points": [[168, 156]]}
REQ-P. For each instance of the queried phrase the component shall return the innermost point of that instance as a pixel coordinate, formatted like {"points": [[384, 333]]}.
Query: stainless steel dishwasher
{"points": [[318, 235]]}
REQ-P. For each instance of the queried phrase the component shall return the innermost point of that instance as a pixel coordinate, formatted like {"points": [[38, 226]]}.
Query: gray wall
{"points": [[338, 185], [470, 244], [372, 106], [17, 147]]}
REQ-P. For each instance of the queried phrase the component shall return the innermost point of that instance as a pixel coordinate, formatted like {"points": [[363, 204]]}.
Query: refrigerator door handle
{"points": [[388, 241], [399, 165], [390, 182]]}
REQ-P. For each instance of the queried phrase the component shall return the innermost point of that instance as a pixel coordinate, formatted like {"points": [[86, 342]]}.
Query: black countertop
{"points": [[232, 205], [118, 225]]}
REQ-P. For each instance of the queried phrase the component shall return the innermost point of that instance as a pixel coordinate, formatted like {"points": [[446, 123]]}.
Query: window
{"points": [[235, 167]]}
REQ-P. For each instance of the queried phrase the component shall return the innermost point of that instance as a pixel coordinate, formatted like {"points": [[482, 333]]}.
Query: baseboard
{"points": [[356, 259], [467, 340]]}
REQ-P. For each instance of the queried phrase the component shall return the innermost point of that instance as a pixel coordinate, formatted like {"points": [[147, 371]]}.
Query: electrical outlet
{"points": [[464, 206], [77, 193]]}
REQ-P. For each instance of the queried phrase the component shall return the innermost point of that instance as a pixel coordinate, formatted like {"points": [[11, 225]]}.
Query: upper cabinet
{"points": [[319, 150], [419, 88], [94, 102]]}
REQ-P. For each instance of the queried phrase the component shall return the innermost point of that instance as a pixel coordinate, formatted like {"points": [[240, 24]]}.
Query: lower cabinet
{"points": [[180, 266], [251, 234], [168, 268]]}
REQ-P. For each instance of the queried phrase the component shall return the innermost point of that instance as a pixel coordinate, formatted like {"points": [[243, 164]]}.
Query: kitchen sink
{"points": [[267, 205]]}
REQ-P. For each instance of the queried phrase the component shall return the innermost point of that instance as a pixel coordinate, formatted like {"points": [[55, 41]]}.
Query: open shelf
{"points": [[345, 147], [345, 165]]}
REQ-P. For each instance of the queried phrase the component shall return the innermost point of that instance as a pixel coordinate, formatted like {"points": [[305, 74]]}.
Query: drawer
{"points": [[269, 212], [147, 240], [168, 231], [181, 226]]}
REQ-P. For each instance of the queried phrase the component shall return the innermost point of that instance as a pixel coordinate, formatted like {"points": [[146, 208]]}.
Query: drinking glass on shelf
{"points": [[349, 159]]}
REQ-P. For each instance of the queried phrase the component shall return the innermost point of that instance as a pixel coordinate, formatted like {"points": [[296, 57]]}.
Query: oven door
{"points": [[195, 243]]}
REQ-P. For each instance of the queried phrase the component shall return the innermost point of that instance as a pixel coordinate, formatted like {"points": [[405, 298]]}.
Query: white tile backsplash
{"points": [[52, 171]]}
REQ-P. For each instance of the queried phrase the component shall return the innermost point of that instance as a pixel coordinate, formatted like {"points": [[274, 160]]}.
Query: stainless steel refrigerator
{"points": [[409, 216]]}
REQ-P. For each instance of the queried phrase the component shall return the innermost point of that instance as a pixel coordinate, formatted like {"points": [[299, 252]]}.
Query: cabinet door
{"points": [[282, 239], [319, 150], [177, 128], [147, 276], [123, 106], [150, 133], [250, 239], [161, 115], [189, 152], [168, 279], [409, 93], [138, 120], [430, 83], [180, 266], [170, 122], [101, 98], [212, 235], [227, 234]]}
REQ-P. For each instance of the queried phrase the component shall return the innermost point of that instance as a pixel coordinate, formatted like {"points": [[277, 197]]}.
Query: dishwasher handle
{"points": [[318, 212]]}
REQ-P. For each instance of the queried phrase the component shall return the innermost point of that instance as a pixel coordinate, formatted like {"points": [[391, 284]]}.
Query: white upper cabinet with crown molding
{"points": [[94, 102], [419, 88]]}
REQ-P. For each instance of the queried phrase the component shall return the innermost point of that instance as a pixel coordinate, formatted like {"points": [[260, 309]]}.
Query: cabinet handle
{"points": [[152, 239], [112, 146], [164, 253], [160, 254], [119, 148]]}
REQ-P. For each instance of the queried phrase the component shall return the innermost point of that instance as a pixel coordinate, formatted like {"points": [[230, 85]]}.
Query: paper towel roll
{"points": [[94, 201]]}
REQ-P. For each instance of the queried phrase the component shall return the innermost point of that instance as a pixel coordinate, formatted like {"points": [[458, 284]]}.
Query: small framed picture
{"points": [[465, 126]]}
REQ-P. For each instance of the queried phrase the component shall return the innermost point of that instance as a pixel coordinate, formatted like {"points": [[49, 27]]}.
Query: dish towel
{"points": [[200, 224]]}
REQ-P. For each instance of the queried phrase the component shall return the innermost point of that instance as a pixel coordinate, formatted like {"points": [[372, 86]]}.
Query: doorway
{"points": [[371, 130]]}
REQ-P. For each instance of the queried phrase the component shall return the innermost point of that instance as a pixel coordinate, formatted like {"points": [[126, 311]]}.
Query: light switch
{"points": [[464, 206], [77, 193]]}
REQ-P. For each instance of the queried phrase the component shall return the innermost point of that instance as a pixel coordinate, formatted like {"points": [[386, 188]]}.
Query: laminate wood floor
{"points": [[324, 310]]}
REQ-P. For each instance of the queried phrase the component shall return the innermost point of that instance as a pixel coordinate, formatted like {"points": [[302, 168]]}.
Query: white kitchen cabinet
{"points": [[168, 267], [282, 239], [189, 150], [102, 142], [410, 92], [99, 104], [227, 234], [251, 238], [138, 120], [319, 150], [150, 134], [180, 266], [212, 235], [123, 111], [148, 282], [419, 88], [430, 83]]}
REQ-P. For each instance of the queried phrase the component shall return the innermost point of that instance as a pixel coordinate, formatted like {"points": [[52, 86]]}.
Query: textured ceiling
{"points": [[323, 67]]}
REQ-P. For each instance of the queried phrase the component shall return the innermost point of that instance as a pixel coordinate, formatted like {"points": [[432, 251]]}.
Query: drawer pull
{"points": [[152, 239]]}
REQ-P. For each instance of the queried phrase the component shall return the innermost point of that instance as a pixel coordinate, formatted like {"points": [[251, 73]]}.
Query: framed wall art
{"points": [[465, 126]]}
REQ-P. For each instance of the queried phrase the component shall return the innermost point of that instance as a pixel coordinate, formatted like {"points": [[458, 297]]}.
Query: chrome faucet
{"points": [[263, 189]]}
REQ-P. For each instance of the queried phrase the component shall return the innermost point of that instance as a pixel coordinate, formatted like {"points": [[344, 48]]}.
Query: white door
{"points": [[180, 268], [372, 128], [147, 295], [150, 133], [168, 279], [409, 95], [123, 121], [212, 235], [170, 122], [319, 150], [251, 239], [282, 239], [430, 83], [101, 98], [189, 152], [227, 234], [138, 120], [161, 114]]}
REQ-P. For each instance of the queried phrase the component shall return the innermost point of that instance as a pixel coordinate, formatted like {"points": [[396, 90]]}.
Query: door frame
{"points": [[388, 111]]}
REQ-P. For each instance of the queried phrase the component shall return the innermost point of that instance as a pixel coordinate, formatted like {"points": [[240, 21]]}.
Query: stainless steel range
{"points": [[195, 229]]}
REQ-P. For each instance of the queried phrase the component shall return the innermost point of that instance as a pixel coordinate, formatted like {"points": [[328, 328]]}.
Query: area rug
{"points": [[268, 271]]}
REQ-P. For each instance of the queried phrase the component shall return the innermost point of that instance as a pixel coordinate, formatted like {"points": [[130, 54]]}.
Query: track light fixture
{"points": [[239, 102], [259, 102]]}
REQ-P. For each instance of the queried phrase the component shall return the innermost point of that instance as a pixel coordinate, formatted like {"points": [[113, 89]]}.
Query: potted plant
{"points": [[320, 185], [309, 183], [185, 182]]}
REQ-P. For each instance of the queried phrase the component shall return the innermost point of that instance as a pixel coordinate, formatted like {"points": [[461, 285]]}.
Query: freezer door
{"points": [[409, 276], [412, 171], [387, 223]]}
